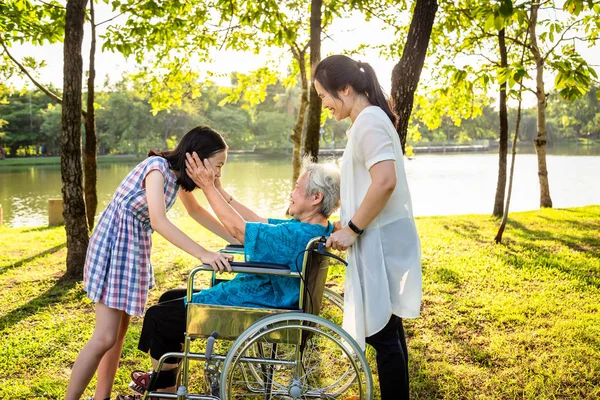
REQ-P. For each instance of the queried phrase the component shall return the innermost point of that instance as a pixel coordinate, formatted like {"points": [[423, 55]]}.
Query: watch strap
{"points": [[355, 228]]}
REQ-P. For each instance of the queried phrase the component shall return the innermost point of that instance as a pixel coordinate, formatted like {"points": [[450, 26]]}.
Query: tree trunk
{"points": [[406, 74], [498, 238], [89, 159], [503, 144], [70, 160], [299, 127], [540, 141], [313, 123]]}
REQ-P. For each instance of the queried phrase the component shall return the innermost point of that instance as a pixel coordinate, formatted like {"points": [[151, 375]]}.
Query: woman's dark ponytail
{"points": [[336, 72], [374, 91]]}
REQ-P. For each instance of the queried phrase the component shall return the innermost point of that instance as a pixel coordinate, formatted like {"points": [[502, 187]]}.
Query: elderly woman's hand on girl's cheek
{"points": [[198, 171]]}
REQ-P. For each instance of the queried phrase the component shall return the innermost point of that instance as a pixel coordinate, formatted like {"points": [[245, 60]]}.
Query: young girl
{"points": [[118, 272], [383, 278]]}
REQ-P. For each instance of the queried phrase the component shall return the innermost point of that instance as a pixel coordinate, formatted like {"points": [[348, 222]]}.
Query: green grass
{"points": [[29, 161], [515, 320]]}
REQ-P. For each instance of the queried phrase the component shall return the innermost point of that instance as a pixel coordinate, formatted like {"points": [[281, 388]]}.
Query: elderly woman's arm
{"points": [[204, 177], [192, 163], [203, 217]]}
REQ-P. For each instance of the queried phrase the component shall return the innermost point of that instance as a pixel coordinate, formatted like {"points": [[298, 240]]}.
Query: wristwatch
{"points": [[355, 228]]}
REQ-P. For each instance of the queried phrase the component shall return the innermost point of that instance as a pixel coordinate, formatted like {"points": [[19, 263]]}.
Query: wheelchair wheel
{"points": [[295, 356], [332, 307]]}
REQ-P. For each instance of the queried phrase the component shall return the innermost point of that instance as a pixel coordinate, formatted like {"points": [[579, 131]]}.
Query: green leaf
{"points": [[499, 23], [506, 8], [489, 23]]}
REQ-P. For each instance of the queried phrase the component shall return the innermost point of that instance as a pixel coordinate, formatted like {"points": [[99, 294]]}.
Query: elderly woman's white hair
{"points": [[325, 179]]}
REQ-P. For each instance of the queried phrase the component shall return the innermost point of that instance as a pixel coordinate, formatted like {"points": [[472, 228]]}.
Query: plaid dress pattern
{"points": [[118, 271]]}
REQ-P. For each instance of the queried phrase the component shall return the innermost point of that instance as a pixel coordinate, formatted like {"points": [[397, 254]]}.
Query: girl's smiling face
{"points": [[218, 161]]}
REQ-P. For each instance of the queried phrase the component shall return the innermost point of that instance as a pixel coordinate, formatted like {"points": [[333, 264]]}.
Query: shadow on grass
{"points": [[423, 385], [583, 274], [54, 249], [526, 239], [38, 229], [52, 296], [588, 244], [469, 231]]}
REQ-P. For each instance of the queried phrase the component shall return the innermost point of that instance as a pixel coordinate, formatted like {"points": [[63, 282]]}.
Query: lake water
{"points": [[441, 184]]}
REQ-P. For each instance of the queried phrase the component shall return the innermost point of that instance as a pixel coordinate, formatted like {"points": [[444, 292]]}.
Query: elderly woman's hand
{"points": [[337, 225], [202, 173], [342, 239]]}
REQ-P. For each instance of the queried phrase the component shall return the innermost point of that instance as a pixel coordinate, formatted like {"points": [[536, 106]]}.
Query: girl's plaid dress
{"points": [[117, 268]]}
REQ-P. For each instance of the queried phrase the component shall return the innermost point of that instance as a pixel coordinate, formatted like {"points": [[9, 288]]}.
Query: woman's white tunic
{"points": [[383, 276]]}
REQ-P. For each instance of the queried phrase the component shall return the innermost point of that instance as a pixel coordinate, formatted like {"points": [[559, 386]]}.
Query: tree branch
{"points": [[228, 28], [49, 93], [119, 14], [562, 38], [52, 5]]}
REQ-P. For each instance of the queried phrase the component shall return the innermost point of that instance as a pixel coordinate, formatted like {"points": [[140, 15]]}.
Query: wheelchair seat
{"points": [[231, 321]]}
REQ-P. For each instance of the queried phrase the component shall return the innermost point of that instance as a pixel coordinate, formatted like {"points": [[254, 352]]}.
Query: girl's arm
{"points": [[203, 217], [154, 183], [383, 182], [192, 163]]}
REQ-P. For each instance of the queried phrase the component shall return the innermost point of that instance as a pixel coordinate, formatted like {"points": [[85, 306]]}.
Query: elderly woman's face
{"points": [[299, 202]]}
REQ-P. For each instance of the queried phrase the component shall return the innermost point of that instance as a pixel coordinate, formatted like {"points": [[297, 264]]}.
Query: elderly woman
{"points": [[315, 197]]}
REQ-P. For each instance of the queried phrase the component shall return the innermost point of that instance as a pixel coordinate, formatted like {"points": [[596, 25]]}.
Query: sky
{"points": [[344, 34]]}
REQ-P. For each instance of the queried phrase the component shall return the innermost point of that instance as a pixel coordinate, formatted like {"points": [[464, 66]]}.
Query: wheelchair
{"points": [[276, 353]]}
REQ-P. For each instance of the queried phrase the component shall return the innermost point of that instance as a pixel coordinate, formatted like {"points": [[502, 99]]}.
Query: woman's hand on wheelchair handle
{"points": [[342, 239]]}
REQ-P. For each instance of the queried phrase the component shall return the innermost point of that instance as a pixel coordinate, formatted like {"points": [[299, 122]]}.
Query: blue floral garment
{"points": [[278, 241]]}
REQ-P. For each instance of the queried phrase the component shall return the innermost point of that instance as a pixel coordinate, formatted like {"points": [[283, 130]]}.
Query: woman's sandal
{"points": [[133, 397], [140, 381], [130, 397]]}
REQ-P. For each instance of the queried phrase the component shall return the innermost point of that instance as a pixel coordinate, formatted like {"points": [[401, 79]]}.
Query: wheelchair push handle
{"points": [[322, 250]]}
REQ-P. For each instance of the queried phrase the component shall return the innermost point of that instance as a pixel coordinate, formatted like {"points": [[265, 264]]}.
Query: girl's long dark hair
{"points": [[203, 140], [336, 72]]}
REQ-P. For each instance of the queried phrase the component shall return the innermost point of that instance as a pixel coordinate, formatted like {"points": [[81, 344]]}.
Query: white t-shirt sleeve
{"points": [[372, 142]]}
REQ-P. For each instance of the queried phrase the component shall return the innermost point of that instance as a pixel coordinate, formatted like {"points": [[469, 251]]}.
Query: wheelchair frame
{"points": [[256, 329]]}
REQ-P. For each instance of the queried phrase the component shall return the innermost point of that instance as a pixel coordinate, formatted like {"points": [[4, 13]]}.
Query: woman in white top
{"points": [[383, 278]]}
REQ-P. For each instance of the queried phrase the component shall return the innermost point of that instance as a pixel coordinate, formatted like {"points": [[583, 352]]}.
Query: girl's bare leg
{"points": [[107, 369], [106, 332]]}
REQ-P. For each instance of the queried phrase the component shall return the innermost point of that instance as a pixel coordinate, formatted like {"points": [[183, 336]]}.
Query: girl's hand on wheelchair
{"points": [[218, 261]]}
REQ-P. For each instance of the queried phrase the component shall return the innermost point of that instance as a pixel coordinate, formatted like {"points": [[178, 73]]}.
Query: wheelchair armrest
{"points": [[244, 267], [233, 249], [261, 265]]}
